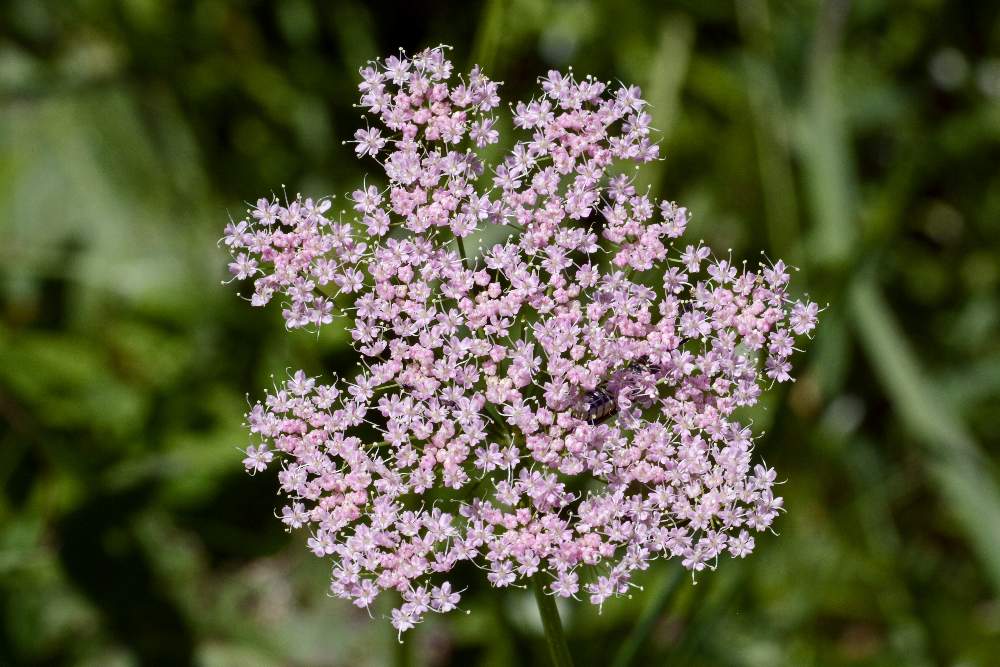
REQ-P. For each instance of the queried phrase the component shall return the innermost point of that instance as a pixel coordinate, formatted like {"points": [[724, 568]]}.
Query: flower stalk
{"points": [[461, 250], [552, 624]]}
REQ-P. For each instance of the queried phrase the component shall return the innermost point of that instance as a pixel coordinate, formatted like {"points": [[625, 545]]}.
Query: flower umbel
{"points": [[564, 398]]}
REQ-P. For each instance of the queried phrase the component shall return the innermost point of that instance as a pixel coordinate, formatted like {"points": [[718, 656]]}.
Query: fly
{"points": [[601, 403], [596, 406]]}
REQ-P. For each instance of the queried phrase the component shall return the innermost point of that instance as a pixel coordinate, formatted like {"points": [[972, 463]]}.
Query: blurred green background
{"points": [[859, 141]]}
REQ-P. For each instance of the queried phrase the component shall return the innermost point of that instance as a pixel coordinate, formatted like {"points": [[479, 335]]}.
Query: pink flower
{"points": [[580, 419], [257, 458], [369, 142]]}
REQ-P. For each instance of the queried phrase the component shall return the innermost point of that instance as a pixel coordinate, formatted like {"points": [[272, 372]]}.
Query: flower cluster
{"points": [[462, 437]]}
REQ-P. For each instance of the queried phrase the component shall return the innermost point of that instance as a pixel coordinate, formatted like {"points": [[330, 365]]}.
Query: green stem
{"points": [[553, 626], [402, 655], [461, 250]]}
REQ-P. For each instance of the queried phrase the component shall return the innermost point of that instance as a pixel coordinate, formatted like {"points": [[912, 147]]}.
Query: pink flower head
{"points": [[564, 398]]}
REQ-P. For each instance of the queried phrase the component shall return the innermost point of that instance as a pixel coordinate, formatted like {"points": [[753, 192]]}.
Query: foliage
{"points": [[857, 141]]}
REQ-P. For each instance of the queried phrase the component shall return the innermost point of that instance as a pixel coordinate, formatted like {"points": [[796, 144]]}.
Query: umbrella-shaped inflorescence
{"points": [[565, 397]]}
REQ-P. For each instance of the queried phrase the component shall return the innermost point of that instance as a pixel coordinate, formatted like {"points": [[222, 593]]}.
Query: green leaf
{"points": [[954, 459]]}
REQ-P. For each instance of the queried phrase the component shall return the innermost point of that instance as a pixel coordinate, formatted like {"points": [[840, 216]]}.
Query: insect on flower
{"points": [[602, 403], [596, 406]]}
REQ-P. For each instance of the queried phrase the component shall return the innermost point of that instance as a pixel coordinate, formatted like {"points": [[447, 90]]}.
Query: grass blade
{"points": [[663, 88], [650, 615], [953, 457]]}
